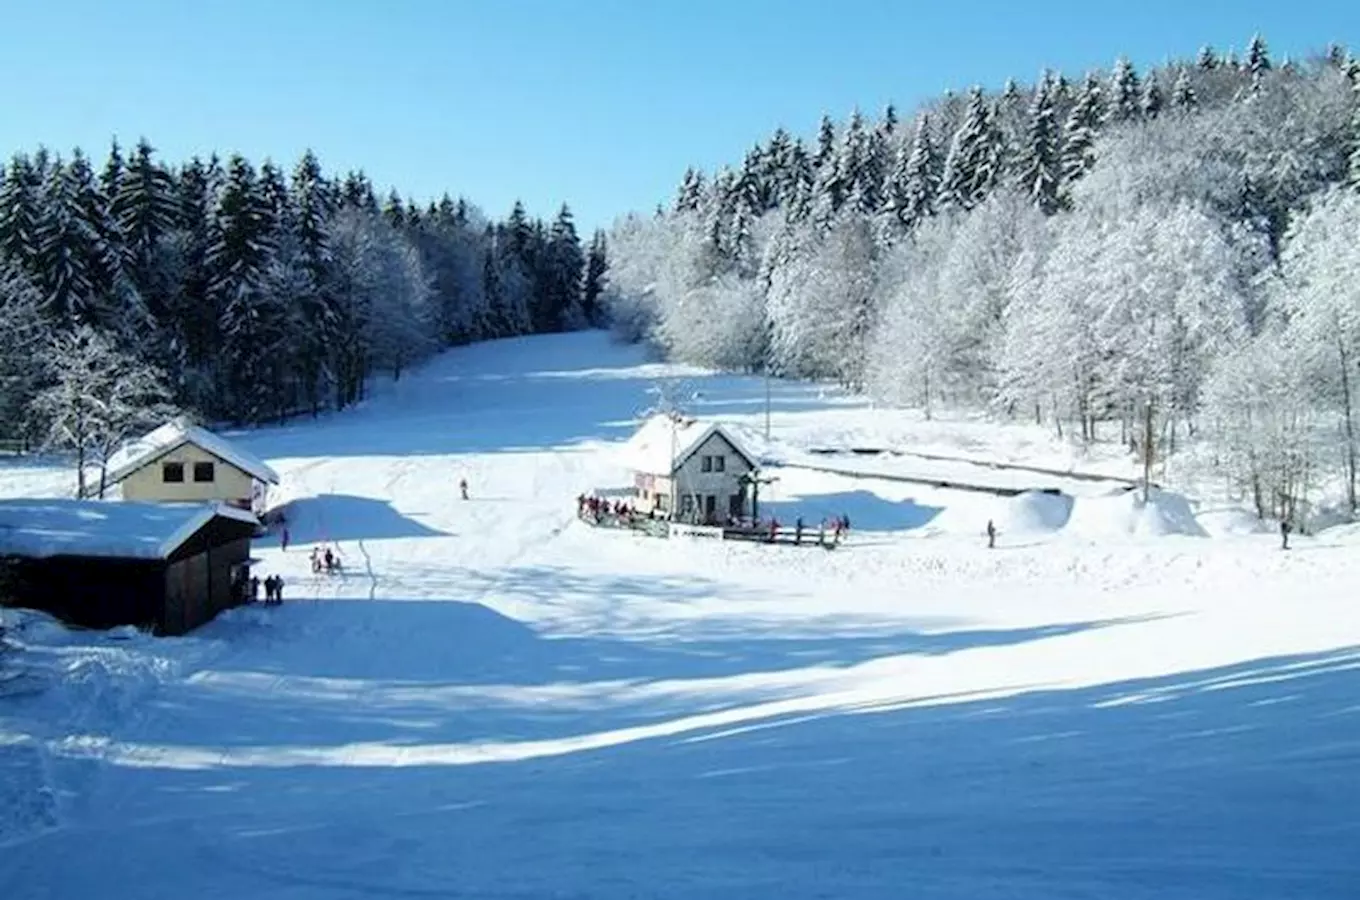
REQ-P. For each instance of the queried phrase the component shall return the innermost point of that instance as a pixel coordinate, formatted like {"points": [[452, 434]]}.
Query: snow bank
{"points": [[1034, 512], [1232, 521], [1125, 514]]}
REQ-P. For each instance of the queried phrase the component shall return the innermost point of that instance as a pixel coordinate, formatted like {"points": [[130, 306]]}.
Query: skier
{"points": [[278, 590], [798, 531], [330, 560], [316, 560], [462, 487], [1285, 528], [991, 535], [255, 588], [283, 542]]}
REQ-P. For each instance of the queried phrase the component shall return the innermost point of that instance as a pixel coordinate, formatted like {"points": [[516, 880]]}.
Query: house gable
{"points": [[716, 442], [136, 455]]}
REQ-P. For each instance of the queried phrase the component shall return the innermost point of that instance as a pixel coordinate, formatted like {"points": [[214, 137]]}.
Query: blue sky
{"points": [[600, 104]]}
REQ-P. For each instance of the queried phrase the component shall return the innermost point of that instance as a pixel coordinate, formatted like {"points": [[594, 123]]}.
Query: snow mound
{"points": [[1232, 521], [1034, 512], [1125, 514]]}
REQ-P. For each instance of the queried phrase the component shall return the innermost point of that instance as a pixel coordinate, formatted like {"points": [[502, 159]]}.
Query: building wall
{"points": [[91, 592], [198, 581], [229, 483], [694, 482]]}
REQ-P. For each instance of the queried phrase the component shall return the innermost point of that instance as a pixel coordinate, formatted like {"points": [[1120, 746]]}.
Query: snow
{"points": [[66, 527], [137, 453], [664, 441], [497, 700]]}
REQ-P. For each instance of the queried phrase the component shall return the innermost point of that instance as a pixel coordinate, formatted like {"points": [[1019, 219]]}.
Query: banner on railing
{"points": [[680, 529]]}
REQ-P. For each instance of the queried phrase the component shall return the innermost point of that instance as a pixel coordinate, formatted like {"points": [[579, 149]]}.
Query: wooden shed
{"points": [[169, 567]]}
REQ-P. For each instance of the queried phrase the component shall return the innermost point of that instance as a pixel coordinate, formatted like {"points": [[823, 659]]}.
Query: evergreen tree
{"points": [[1040, 177], [691, 192], [593, 284], [921, 180], [111, 179], [21, 207], [1353, 161], [1150, 104], [252, 326], [973, 166], [1124, 91], [565, 271], [1258, 57], [1207, 60], [826, 145], [1079, 135], [1183, 92], [146, 210], [66, 245]]}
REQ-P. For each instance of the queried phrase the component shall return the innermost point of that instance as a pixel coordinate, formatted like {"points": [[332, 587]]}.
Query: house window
{"points": [[172, 472], [720, 464], [706, 464], [203, 472]]}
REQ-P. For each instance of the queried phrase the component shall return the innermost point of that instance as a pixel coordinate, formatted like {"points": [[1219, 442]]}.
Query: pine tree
{"points": [[973, 166], [1183, 95], [1207, 60], [1353, 162], [111, 179], [1040, 177], [1258, 57], [65, 247], [1150, 104], [20, 211], [314, 205], [1079, 135], [565, 272], [826, 145], [920, 186], [240, 253], [691, 192], [1124, 91], [394, 210], [146, 210], [593, 284]]}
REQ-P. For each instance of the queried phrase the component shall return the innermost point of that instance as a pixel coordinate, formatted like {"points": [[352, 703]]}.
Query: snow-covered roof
{"points": [[655, 450], [42, 527], [138, 452]]}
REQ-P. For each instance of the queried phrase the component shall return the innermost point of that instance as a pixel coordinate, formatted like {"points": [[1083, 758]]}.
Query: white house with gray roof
{"points": [[699, 466]]}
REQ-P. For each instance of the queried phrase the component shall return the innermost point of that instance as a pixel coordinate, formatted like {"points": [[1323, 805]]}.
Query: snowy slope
{"points": [[498, 701]]}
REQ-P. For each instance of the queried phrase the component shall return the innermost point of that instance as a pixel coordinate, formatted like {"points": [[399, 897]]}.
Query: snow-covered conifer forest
{"points": [[1176, 248], [246, 293]]}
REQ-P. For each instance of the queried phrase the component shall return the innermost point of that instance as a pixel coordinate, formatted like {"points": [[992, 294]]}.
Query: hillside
{"points": [[497, 700], [1164, 250]]}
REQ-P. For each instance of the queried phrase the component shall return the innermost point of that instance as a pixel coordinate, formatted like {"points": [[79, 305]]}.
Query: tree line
{"points": [[1171, 251], [246, 293]]}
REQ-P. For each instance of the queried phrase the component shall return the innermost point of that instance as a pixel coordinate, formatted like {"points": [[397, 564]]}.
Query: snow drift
{"points": [[1126, 514]]}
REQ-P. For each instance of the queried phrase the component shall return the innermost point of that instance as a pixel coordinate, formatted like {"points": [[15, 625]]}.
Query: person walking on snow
{"points": [[991, 535], [283, 540], [1284, 534], [462, 487]]}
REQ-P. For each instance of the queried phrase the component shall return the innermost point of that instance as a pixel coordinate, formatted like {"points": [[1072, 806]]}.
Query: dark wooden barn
{"points": [[167, 567]]}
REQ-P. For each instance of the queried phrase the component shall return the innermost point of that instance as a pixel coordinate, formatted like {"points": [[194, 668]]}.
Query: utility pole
{"points": [[767, 401]]}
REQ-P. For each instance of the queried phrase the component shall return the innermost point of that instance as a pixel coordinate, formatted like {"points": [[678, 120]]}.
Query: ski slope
{"points": [[497, 701]]}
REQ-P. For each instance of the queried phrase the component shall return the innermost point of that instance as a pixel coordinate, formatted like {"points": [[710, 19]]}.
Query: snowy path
{"points": [[497, 701]]}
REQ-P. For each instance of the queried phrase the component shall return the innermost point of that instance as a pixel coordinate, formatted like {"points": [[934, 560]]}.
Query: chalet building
{"points": [[701, 464], [181, 462], [168, 567]]}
